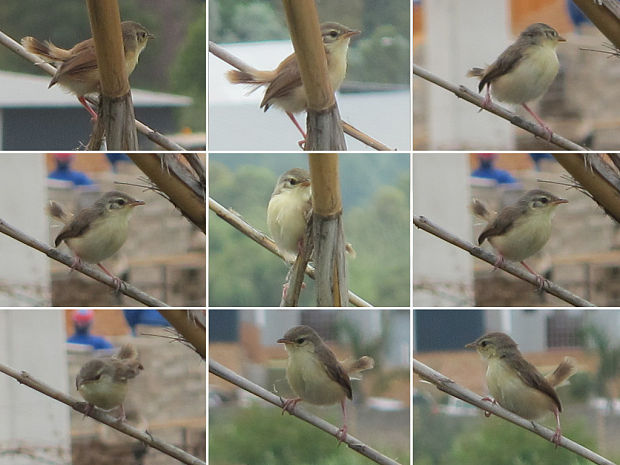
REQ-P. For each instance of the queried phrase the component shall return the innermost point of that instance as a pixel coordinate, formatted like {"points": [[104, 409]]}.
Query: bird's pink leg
{"points": [[540, 280], [89, 109], [301, 143], [499, 262], [118, 282], [487, 99], [546, 128], [557, 436], [341, 434]]}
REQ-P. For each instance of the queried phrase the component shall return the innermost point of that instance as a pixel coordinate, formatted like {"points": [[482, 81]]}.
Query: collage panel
{"points": [[272, 194], [50, 76], [515, 383], [137, 374], [341, 372], [255, 82], [532, 230], [69, 220], [513, 78]]}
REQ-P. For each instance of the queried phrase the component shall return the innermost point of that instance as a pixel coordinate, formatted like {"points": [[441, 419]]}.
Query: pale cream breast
{"points": [[309, 380], [530, 78], [103, 239], [104, 393], [529, 234], [513, 394], [286, 217]]}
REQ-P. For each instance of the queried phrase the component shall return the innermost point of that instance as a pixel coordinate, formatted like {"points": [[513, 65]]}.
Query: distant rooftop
{"points": [[18, 90]]}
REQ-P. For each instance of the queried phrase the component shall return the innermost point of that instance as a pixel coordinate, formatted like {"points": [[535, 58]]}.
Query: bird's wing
{"points": [[504, 64], [80, 224], [501, 224], [286, 78], [335, 371], [532, 377], [90, 371], [81, 63]]}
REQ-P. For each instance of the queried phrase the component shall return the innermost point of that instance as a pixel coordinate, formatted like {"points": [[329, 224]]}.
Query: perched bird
{"points": [[516, 384], [289, 210], [524, 71], [520, 230], [314, 373], [284, 87], [102, 382], [97, 232], [77, 69]]}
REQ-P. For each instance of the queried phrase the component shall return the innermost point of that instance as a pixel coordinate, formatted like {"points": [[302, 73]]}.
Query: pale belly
{"points": [[103, 393], [286, 221], [102, 241], [529, 80], [309, 381], [523, 240]]}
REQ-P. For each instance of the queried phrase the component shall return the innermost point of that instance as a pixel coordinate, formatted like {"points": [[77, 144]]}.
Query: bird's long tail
{"points": [[353, 367], [564, 370], [56, 211], [46, 50]]}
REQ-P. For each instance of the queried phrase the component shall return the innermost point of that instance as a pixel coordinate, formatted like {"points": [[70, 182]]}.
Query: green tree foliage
{"points": [[258, 435], [189, 73], [381, 57]]}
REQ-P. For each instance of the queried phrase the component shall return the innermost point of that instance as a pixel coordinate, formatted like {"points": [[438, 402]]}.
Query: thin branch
{"points": [[191, 325], [262, 239], [151, 134], [102, 417], [84, 268], [445, 384], [232, 60], [354, 443], [489, 257], [472, 97]]}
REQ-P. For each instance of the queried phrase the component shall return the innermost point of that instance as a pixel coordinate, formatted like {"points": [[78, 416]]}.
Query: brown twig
{"points": [[221, 371], [99, 415], [512, 268], [265, 241], [84, 268], [445, 384], [476, 99]]}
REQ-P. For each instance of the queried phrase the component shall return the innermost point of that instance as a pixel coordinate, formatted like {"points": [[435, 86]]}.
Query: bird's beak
{"points": [[284, 341], [136, 203], [561, 39], [471, 345], [305, 183], [150, 36], [350, 33], [559, 201]]}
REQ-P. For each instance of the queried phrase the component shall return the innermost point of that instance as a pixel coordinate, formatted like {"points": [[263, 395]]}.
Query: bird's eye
{"points": [[333, 33], [543, 200], [293, 182], [300, 340], [121, 202], [484, 343]]}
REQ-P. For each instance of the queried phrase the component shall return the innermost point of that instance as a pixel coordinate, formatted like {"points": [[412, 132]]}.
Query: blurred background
{"points": [[168, 84], [246, 429], [582, 254], [375, 96], [170, 265], [375, 195], [447, 430], [168, 397], [450, 37]]}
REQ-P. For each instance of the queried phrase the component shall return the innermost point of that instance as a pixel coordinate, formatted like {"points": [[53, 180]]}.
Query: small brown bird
{"points": [[77, 69], [102, 382], [524, 71], [520, 230], [97, 232], [284, 86], [314, 373], [516, 384]]}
